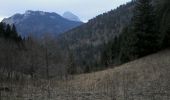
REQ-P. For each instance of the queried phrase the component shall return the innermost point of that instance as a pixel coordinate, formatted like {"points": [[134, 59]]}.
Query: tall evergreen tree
{"points": [[2, 29], [145, 35], [163, 17], [8, 31], [127, 48], [71, 67], [14, 34], [166, 39]]}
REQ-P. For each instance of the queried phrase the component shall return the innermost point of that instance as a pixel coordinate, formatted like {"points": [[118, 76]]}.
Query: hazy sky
{"points": [[85, 9]]}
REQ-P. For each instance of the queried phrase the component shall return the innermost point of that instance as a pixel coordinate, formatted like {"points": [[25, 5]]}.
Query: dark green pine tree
{"points": [[14, 34], [115, 48], [8, 31], [163, 12], [110, 53], [107, 53], [166, 40], [145, 36], [2, 29], [127, 42], [71, 67]]}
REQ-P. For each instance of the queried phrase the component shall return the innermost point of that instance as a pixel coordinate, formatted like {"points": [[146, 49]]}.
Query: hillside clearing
{"points": [[147, 78]]}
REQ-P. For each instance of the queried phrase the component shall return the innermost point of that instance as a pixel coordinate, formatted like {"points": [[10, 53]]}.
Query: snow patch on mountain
{"points": [[9, 21], [52, 17], [42, 13], [70, 16]]}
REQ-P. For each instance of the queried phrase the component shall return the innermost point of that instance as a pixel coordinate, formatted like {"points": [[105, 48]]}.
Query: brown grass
{"points": [[147, 78]]}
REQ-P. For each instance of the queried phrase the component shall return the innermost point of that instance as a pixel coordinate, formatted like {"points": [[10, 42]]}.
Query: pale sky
{"points": [[84, 9]]}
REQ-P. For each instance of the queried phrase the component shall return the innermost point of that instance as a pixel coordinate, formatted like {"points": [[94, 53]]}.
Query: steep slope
{"points": [[71, 16], [39, 22], [87, 40]]}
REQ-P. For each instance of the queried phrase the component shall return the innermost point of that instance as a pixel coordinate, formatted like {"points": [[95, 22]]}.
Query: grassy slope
{"points": [[147, 78]]}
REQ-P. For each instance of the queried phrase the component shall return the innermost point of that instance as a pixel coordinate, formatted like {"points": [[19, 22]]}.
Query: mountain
{"points": [[39, 22], [71, 16], [86, 41]]}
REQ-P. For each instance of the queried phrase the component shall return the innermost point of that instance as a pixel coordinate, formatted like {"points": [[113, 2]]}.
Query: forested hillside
{"points": [[87, 41], [147, 33], [120, 35], [29, 57]]}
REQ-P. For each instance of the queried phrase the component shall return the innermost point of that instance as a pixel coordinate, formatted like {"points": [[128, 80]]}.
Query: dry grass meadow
{"points": [[147, 78]]}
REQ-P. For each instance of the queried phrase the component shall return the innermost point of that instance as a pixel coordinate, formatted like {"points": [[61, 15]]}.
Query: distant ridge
{"points": [[70, 16], [38, 22]]}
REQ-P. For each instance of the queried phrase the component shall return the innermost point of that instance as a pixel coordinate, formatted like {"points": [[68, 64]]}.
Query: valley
{"points": [[120, 54]]}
